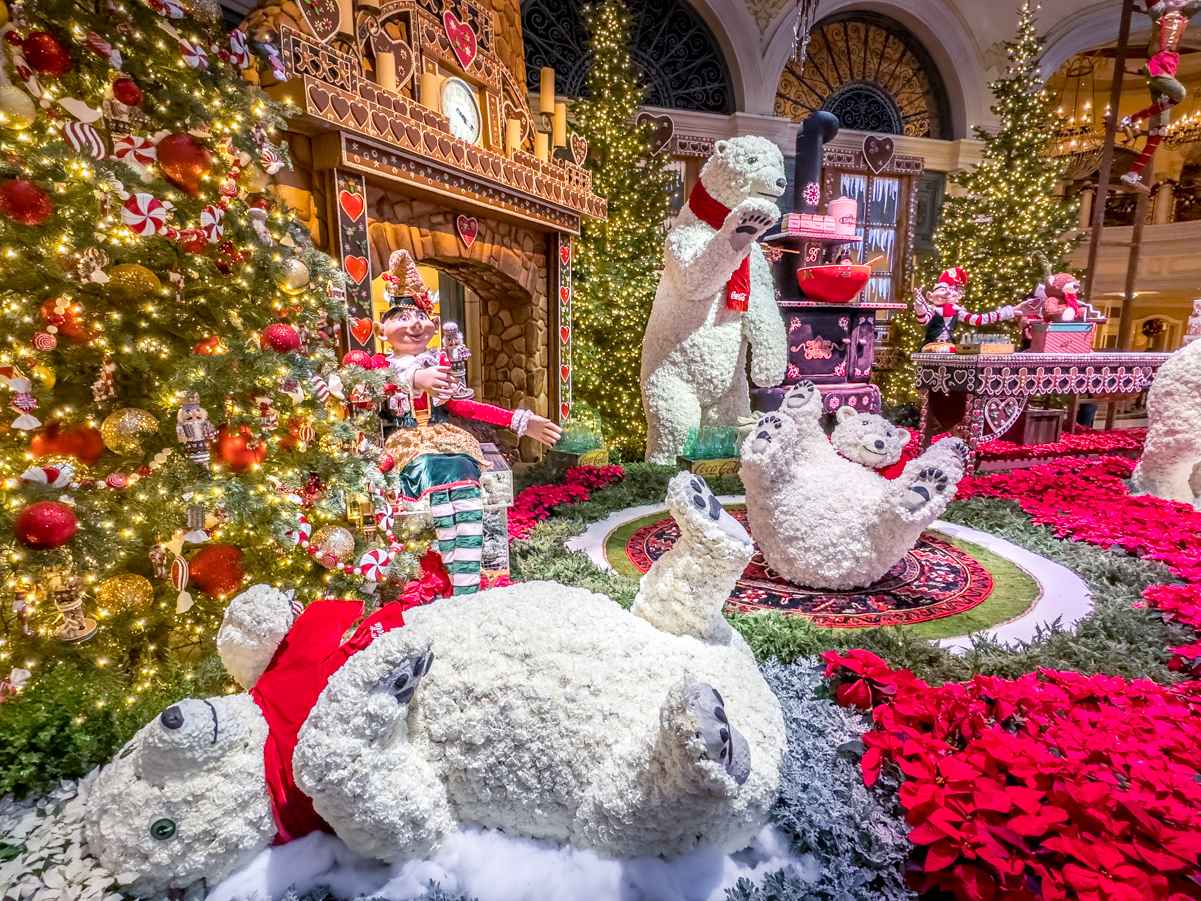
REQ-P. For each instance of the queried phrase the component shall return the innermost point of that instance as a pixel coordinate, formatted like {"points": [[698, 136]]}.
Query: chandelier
{"points": [[1185, 130], [806, 12], [1080, 139]]}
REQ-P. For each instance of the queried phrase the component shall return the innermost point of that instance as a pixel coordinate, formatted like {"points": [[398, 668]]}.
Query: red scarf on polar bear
{"points": [[713, 213], [310, 653]]}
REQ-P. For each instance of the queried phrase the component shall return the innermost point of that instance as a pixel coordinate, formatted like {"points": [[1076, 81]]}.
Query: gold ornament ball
{"points": [[127, 591], [132, 281], [17, 109], [45, 375], [123, 431], [335, 544], [293, 276]]}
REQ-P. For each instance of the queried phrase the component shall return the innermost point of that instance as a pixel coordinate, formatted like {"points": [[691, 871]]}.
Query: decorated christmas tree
{"points": [[617, 259], [1007, 215], [166, 331]]}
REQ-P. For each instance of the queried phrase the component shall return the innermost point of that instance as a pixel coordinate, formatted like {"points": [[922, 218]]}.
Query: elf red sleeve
{"points": [[480, 412]]}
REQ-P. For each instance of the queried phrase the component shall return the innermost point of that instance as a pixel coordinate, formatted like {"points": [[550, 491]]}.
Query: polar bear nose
{"points": [[879, 444], [781, 183], [171, 718]]}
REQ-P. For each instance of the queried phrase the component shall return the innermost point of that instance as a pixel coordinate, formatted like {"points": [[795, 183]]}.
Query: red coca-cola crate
{"points": [[1062, 337]]}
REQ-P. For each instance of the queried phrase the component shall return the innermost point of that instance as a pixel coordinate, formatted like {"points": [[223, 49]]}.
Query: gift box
{"points": [[1062, 337]]}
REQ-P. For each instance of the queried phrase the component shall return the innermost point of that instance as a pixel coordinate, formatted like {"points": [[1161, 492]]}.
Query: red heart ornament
{"points": [[565, 254], [362, 330], [352, 204], [356, 268], [462, 39], [564, 410], [564, 334], [467, 227], [564, 373], [564, 294]]}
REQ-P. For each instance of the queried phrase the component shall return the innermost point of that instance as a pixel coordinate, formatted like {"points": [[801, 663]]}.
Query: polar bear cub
{"points": [[868, 438], [823, 521], [695, 348]]}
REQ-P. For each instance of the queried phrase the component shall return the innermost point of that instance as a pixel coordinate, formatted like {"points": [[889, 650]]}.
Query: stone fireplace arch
{"points": [[507, 265]]}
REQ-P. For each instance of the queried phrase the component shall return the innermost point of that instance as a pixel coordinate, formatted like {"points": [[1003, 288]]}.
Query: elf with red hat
{"points": [[436, 459], [942, 310]]}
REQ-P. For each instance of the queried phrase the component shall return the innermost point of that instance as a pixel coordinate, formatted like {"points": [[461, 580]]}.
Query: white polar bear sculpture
{"points": [[1171, 463], [709, 307], [540, 709], [823, 521], [868, 438]]}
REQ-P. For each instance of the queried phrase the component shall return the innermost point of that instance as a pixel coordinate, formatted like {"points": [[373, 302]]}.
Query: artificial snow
{"points": [[491, 866]]}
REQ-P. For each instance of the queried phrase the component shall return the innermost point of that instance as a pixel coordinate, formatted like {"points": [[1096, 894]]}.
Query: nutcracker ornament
{"points": [[1169, 22], [194, 430], [66, 591], [435, 459], [457, 355], [942, 310]]}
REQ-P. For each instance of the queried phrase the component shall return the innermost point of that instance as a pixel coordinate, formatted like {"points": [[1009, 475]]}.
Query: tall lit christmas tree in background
{"points": [[1007, 215], [617, 259], [165, 332]]}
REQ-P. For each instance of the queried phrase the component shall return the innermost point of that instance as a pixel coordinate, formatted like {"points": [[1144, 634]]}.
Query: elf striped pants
{"points": [[458, 513]]}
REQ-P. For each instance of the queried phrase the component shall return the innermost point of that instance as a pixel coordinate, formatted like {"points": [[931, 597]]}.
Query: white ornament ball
{"points": [[293, 276]]}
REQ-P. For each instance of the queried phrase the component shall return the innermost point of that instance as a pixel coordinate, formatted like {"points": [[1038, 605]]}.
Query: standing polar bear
{"points": [[823, 521], [540, 709], [1171, 463], [715, 299]]}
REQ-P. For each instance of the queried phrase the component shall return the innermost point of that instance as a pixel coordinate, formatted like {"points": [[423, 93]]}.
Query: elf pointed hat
{"points": [[405, 287], [956, 277]]}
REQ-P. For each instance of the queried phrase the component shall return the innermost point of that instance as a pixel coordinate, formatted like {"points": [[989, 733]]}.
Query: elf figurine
{"points": [[436, 459], [942, 310]]}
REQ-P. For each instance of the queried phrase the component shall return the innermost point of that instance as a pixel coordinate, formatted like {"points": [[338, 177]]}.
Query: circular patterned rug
{"points": [[934, 580]]}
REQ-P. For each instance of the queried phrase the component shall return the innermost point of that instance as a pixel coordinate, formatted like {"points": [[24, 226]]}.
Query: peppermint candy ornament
{"points": [[134, 150], [374, 564], [302, 533], [104, 49], [270, 160], [194, 55], [44, 341], [385, 517], [84, 139], [144, 214], [239, 52], [23, 404], [50, 476], [210, 223]]}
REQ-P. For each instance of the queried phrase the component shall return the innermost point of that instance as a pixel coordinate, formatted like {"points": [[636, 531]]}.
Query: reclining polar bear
{"points": [[541, 709], [823, 521], [1170, 466]]}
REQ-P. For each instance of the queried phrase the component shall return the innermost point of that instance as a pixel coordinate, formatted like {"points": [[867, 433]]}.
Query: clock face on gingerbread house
{"points": [[462, 111]]}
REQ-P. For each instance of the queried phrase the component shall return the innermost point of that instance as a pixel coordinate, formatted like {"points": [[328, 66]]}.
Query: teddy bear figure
{"points": [[715, 301], [824, 521], [868, 438], [543, 710]]}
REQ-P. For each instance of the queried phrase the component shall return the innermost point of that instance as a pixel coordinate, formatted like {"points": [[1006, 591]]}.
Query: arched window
{"points": [[870, 72], [673, 48]]}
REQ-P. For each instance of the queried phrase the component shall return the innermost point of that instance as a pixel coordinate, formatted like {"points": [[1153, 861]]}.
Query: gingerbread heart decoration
{"points": [[878, 152], [468, 228], [356, 268], [362, 330], [351, 204], [564, 334], [579, 149], [322, 17], [564, 410], [564, 294], [462, 39], [565, 254], [662, 128], [564, 372]]}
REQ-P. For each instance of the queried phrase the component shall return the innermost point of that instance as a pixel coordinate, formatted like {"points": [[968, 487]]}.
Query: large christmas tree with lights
{"points": [[166, 344], [1007, 215], [617, 259]]}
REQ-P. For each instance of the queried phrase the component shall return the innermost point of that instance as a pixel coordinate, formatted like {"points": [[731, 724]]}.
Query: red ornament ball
{"points": [[45, 525], [126, 90], [45, 54], [183, 160], [239, 449], [193, 240], [24, 202], [386, 463], [217, 569], [280, 337], [82, 442], [379, 361], [209, 347], [357, 358], [118, 481], [66, 320]]}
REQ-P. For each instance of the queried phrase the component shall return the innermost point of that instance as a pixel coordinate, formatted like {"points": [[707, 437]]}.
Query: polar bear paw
{"points": [[724, 745], [769, 439], [802, 401], [402, 682], [749, 220], [931, 483]]}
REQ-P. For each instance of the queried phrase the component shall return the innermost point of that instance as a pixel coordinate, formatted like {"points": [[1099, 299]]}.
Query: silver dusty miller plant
{"points": [[851, 837]]}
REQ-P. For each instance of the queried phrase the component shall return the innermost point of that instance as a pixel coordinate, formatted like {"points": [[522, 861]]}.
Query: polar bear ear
{"points": [[906, 435], [720, 147], [845, 413]]}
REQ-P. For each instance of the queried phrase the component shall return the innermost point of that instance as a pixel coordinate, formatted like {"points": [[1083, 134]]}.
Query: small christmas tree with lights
{"points": [[166, 332], [1008, 215], [617, 259]]}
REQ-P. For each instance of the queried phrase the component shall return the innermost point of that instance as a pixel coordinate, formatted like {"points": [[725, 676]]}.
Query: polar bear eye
{"points": [[751, 160], [162, 829]]}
